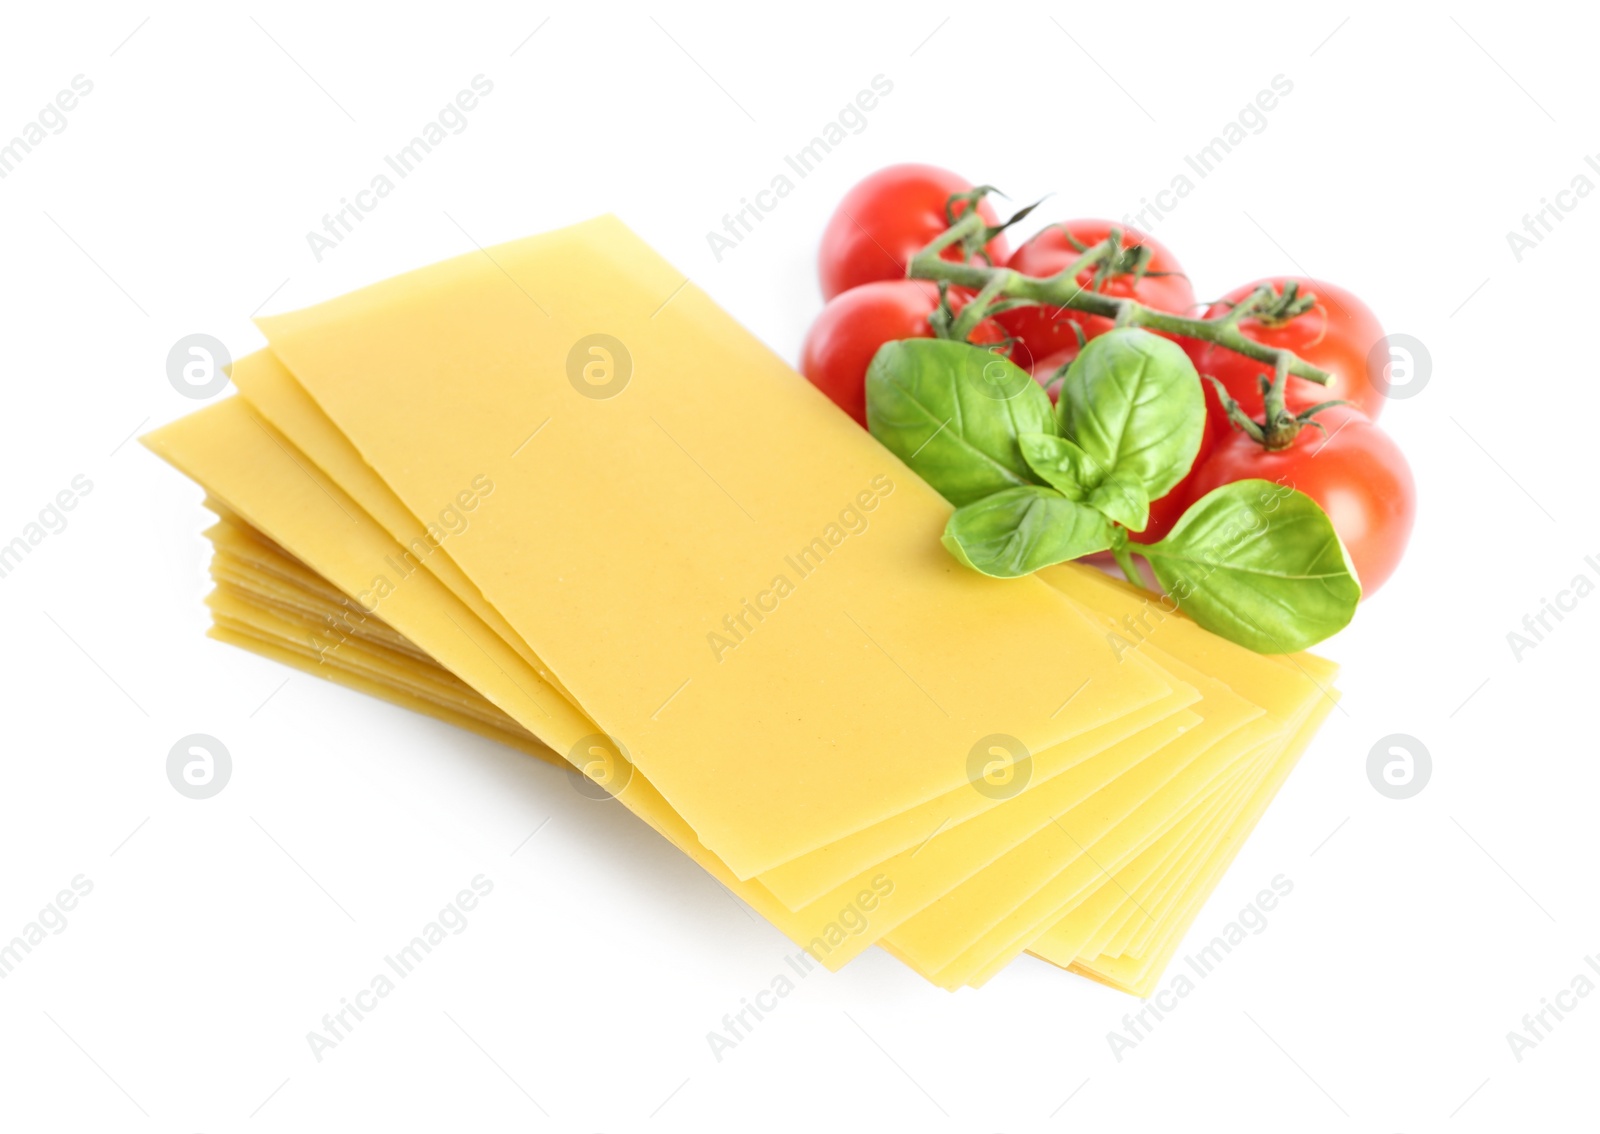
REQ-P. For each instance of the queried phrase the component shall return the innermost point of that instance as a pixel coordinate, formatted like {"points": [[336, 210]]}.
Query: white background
{"points": [[218, 933]]}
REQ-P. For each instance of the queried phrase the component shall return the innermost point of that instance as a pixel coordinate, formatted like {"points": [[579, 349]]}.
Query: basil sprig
{"points": [[1034, 485]]}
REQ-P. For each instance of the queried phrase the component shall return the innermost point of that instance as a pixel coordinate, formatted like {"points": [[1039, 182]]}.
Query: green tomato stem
{"points": [[1063, 291], [1281, 426], [972, 314]]}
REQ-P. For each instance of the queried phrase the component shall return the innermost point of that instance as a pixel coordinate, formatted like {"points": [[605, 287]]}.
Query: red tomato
{"points": [[1337, 334], [1043, 331], [885, 220], [1354, 471], [854, 325]]}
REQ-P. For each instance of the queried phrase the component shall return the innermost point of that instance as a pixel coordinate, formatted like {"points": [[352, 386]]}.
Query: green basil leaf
{"points": [[1019, 530], [1259, 564], [1125, 503], [1061, 464], [1076, 475], [953, 413], [1132, 401]]}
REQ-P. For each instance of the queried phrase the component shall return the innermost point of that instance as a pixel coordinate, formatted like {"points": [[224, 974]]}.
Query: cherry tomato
{"points": [[1043, 331], [854, 325], [1354, 471], [885, 220], [1337, 335]]}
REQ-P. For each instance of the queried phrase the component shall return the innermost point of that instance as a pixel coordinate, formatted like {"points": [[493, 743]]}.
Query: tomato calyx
{"points": [[1279, 426], [975, 243], [1118, 260], [1271, 307]]}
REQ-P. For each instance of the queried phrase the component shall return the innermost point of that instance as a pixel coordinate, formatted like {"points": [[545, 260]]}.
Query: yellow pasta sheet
{"points": [[1139, 974], [279, 400], [1063, 864], [351, 674], [1292, 688], [916, 877], [254, 472], [1069, 901], [1162, 895], [734, 581], [259, 563], [1142, 887]]}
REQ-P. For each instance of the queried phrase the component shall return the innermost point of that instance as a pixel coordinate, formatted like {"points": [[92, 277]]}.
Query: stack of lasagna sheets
{"points": [[549, 492]]}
